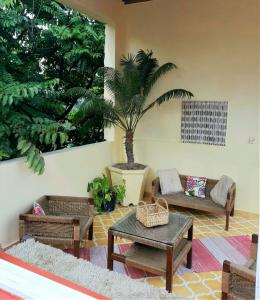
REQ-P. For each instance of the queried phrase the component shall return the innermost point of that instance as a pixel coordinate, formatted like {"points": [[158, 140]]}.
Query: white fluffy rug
{"points": [[79, 271]]}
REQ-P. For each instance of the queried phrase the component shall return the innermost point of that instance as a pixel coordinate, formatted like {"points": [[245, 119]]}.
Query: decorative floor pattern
{"points": [[208, 255], [203, 285]]}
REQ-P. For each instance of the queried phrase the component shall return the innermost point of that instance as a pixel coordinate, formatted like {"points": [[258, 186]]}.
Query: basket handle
{"points": [[143, 204], [164, 201]]}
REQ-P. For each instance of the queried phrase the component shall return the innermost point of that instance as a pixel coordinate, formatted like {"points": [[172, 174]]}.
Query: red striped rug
{"points": [[208, 255]]}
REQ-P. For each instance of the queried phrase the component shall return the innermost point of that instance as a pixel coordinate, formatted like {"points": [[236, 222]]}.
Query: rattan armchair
{"points": [[238, 282], [67, 221]]}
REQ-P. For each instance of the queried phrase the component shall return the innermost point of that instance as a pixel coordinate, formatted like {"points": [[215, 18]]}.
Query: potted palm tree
{"points": [[131, 88]]}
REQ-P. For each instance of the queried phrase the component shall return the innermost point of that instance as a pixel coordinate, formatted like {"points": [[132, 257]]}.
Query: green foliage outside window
{"points": [[50, 57]]}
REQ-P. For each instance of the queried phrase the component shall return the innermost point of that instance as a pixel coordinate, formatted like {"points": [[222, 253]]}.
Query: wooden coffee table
{"points": [[158, 250]]}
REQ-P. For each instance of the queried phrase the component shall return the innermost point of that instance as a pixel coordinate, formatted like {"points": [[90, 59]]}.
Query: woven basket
{"points": [[151, 215]]}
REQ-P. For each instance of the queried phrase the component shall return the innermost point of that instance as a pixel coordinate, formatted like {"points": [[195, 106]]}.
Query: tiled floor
{"points": [[200, 285]]}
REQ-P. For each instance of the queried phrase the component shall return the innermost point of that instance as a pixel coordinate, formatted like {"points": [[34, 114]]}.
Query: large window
{"points": [[50, 65]]}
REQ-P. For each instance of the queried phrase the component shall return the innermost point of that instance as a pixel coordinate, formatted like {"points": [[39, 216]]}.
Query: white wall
{"points": [[215, 45], [67, 173]]}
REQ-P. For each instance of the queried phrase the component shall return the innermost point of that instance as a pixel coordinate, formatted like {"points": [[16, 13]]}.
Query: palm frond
{"points": [[112, 80], [132, 86], [136, 104], [146, 64], [172, 94], [130, 76], [91, 107], [123, 86], [130, 59], [135, 110], [162, 70]]}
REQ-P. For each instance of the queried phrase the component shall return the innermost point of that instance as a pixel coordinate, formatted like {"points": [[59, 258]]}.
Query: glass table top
{"points": [[166, 234]]}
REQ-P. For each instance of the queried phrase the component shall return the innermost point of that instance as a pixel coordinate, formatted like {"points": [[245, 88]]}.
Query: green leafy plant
{"points": [[131, 88], [102, 192], [50, 57]]}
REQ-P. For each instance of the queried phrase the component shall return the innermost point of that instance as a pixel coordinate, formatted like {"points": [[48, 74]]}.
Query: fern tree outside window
{"points": [[50, 56]]}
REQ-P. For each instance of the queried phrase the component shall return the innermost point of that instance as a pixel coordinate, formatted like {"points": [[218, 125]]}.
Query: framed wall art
{"points": [[204, 122]]}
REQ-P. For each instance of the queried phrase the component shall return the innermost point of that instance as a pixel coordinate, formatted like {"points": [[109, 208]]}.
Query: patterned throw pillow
{"points": [[38, 210], [195, 186]]}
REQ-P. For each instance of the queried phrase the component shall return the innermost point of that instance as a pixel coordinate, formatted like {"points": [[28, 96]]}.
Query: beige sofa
{"points": [[205, 204]]}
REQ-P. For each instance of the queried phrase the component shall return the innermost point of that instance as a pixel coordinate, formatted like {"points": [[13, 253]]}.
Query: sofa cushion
{"points": [[195, 186], [220, 190], [170, 181]]}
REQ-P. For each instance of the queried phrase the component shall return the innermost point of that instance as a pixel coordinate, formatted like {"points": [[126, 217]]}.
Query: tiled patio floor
{"points": [[205, 285]]}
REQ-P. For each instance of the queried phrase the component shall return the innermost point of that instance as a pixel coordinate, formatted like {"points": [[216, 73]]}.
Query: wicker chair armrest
{"points": [[49, 219], [244, 272], [155, 186], [254, 243], [255, 238], [231, 197], [240, 270]]}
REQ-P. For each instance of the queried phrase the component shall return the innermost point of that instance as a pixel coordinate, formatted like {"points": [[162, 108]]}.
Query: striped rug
{"points": [[208, 255]]}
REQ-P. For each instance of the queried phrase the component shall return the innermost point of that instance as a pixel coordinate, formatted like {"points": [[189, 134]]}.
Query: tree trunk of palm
{"points": [[129, 135]]}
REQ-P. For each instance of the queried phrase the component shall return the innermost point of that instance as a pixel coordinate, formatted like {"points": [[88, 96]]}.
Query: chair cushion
{"points": [[170, 181], [220, 190], [195, 186]]}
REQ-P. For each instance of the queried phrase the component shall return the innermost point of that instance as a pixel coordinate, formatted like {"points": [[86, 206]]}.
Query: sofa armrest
{"points": [[231, 197], [155, 187]]}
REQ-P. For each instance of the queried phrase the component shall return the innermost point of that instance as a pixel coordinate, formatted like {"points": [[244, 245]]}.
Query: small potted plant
{"points": [[105, 195]]}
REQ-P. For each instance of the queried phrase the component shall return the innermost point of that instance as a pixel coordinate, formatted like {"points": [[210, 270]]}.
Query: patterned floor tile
{"points": [[205, 285]]}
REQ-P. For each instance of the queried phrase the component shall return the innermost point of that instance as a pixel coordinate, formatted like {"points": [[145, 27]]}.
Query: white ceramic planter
{"points": [[134, 181]]}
